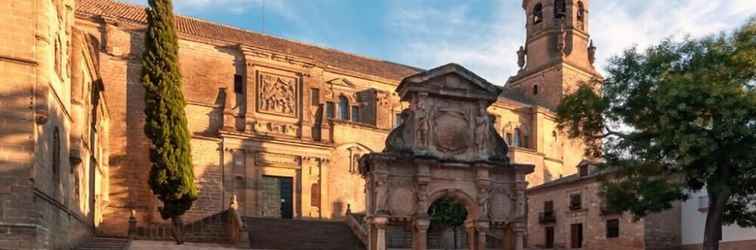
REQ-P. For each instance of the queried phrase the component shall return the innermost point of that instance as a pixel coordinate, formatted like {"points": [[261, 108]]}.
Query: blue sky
{"points": [[482, 35]]}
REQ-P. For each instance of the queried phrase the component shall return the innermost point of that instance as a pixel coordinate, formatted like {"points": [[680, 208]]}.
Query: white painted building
{"points": [[694, 221]]}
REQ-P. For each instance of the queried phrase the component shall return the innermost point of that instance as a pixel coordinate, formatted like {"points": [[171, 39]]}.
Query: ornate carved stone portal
{"points": [[446, 147]]}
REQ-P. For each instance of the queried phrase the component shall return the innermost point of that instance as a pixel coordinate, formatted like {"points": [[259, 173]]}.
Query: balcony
{"points": [[546, 217]]}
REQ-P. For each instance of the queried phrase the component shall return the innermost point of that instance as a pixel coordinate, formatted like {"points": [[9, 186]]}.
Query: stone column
{"points": [[377, 236], [471, 236], [481, 228], [420, 236]]}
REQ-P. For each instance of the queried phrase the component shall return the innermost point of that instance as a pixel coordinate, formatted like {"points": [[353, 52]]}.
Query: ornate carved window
{"points": [[343, 108], [560, 8], [538, 13]]}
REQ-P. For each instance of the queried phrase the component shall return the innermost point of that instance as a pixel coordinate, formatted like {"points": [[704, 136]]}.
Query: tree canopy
{"points": [[675, 118], [171, 173]]}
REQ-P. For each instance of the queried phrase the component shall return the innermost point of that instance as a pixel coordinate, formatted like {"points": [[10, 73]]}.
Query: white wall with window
{"points": [[694, 220]]}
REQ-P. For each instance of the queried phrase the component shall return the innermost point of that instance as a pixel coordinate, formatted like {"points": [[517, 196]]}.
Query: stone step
{"points": [[103, 243], [270, 233]]}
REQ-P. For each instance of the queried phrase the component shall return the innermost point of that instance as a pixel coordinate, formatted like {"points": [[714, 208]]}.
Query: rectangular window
{"points": [[612, 228], [315, 96], [576, 234], [548, 206], [238, 84], [576, 202], [355, 114], [330, 110], [583, 171], [549, 237]]}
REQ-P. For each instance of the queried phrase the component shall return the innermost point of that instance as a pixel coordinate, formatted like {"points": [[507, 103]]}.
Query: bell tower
{"points": [[558, 53]]}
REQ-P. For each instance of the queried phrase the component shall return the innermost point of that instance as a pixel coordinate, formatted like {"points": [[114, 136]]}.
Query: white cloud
{"points": [[436, 36]]}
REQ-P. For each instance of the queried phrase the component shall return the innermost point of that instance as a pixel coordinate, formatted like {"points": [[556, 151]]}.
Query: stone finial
{"points": [[234, 202], [521, 53]]}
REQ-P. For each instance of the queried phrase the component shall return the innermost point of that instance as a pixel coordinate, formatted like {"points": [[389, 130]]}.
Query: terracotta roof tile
{"points": [[209, 30]]}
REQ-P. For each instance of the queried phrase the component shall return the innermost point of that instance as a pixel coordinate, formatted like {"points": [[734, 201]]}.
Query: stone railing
{"points": [[357, 223], [225, 227]]}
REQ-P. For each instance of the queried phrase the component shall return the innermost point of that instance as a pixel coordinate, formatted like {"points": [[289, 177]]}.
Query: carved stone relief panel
{"points": [[277, 94], [283, 160], [261, 126], [502, 202], [451, 131], [402, 196]]}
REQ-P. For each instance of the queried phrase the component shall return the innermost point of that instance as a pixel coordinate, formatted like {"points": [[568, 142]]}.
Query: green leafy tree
{"points": [[448, 213], [171, 174], [676, 118]]}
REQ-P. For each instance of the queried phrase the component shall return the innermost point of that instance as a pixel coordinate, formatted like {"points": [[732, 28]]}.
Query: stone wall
{"points": [[631, 234], [233, 128]]}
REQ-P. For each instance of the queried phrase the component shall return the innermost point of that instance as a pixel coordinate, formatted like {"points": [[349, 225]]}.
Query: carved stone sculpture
{"points": [[482, 123], [381, 193], [421, 116], [521, 53], [277, 95]]}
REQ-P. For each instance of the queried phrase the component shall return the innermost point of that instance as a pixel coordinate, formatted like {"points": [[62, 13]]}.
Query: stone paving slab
{"points": [[170, 245]]}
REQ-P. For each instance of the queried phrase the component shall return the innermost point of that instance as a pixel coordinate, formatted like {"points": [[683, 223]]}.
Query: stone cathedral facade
{"points": [[278, 124]]}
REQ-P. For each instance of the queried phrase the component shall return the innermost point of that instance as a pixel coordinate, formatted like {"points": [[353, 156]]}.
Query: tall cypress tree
{"points": [[171, 174]]}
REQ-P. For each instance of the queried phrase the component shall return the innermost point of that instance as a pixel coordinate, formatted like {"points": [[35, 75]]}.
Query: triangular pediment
{"points": [[449, 80], [341, 82]]}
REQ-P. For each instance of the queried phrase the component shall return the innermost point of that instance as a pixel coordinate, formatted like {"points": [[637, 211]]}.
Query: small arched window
{"points": [[343, 108], [538, 13], [560, 8], [554, 136], [535, 89]]}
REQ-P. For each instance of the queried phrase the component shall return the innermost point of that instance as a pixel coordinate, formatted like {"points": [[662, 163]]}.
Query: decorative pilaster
{"points": [[420, 236], [377, 233]]}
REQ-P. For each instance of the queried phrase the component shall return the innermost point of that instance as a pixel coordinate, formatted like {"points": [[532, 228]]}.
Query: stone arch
{"points": [[465, 199], [537, 13]]}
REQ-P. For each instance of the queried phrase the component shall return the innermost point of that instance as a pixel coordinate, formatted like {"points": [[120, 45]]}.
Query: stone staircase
{"points": [[102, 243], [281, 234]]}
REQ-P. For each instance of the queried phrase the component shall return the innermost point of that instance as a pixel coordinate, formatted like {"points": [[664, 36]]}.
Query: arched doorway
{"points": [[447, 216]]}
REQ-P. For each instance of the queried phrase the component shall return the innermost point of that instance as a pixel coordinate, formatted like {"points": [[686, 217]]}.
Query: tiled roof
{"points": [[213, 31]]}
